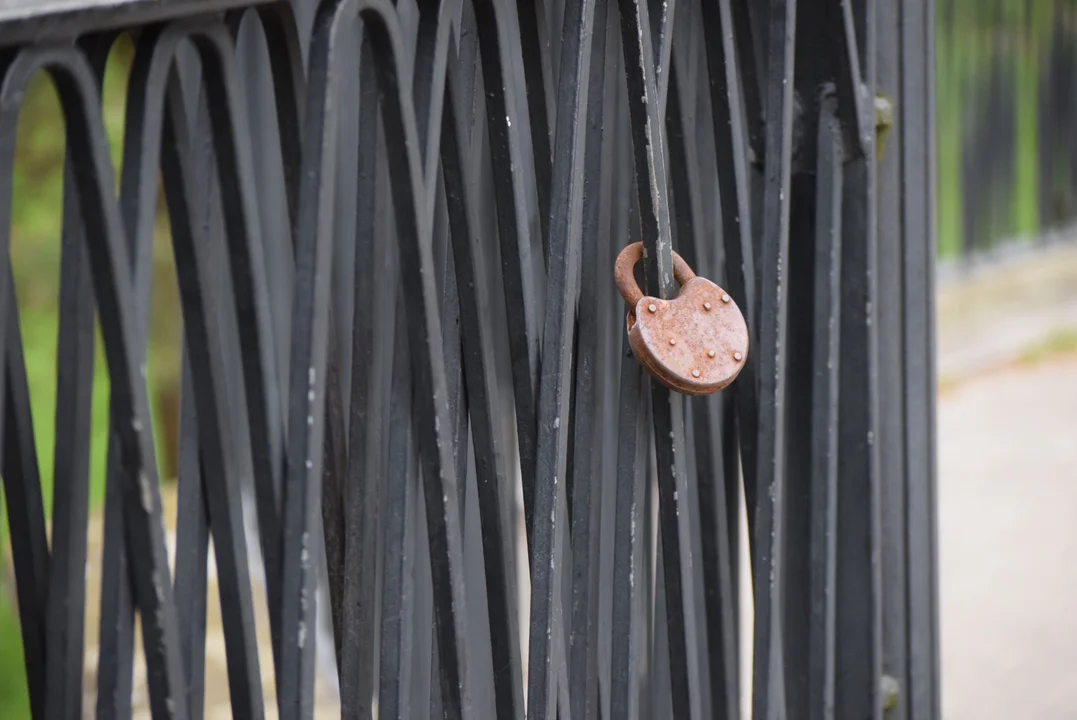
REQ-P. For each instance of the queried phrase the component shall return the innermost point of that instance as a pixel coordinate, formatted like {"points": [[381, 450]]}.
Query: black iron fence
{"points": [[1007, 162], [393, 230]]}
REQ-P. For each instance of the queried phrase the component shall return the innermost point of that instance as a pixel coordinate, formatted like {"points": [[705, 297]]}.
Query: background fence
{"points": [[1006, 85]]}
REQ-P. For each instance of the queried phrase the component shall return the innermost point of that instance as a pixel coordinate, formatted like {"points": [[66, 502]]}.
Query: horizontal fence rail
{"points": [[410, 426]]}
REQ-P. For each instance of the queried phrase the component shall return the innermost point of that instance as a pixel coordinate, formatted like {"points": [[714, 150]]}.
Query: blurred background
{"points": [[1007, 324], [1006, 80]]}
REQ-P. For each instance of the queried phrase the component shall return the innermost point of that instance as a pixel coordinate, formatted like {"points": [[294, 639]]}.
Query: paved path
{"points": [[1008, 544]]}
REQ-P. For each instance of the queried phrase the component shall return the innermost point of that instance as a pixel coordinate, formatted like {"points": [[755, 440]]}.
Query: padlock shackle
{"points": [[626, 281]]}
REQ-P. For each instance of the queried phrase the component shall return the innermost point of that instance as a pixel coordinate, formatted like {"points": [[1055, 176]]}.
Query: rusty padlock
{"points": [[695, 343]]}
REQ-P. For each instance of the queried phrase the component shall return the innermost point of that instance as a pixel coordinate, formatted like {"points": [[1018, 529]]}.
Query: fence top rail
{"points": [[31, 21]]}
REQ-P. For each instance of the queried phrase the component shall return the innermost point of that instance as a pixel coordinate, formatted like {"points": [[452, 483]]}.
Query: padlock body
{"points": [[695, 343]]}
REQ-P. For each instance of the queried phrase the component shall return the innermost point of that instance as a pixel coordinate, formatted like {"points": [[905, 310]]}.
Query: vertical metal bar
{"points": [[398, 560], [668, 414], [334, 467], [859, 648], [427, 670], [648, 147], [522, 282], [116, 631], [547, 656], [457, 396], [659, 694], [300, 492], [109, 260], [431, 54], [482, 388], [423, 675], [283, 43], [150, 78], [192, 513], [440, 489], [719, 603], [747, 26], [649, 626], [733, 471], [734, 184], [228, 123], [798, 342], [116, 623], [71, 470], [25, 509], [461, 457], [116, 637], [922, 696], [193, 270], [662, 16], [619, 190], [262, 380], [539, 83], [722, 77], [583, 476], [893, 405], [192, 548], [686, 225], [824, 427], [372, 343], [628, 545], [768, 683]]}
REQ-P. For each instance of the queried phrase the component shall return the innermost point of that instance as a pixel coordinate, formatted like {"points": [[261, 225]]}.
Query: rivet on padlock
{"points": [[695, 343]]}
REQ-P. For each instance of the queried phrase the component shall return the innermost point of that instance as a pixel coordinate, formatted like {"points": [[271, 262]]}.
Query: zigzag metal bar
{"points": [[585, 486], [428, 369], [372, 346], [71, 466], [398, 500], [79, 97], [482, 389], [516, 223], [668, 412], [148, 130], [547, 655], [734, 183], [720, 603]]}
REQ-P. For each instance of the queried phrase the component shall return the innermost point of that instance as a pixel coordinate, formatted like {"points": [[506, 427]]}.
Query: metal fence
{"points": [[1007, 161], [394, 229]]}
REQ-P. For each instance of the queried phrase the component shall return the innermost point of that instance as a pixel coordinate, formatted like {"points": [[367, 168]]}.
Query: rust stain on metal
{"points": [[695, 343]]}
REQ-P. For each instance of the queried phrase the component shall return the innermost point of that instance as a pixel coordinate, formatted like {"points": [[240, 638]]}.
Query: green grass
{"points": [[14, 700]]}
